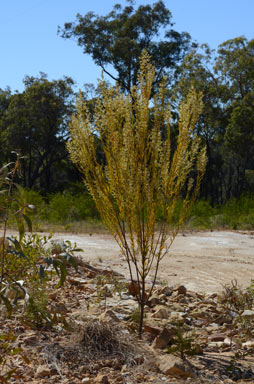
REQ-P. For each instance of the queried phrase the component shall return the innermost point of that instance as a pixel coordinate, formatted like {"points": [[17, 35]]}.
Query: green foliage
{"points": [[239, 213], [226, 79], [28, 258], [131, 31], [36, 312], [36, 122], [183, 343], [234, 214], [66, 207], [135, 317], [108, 285], [200, 215], [235, 300], [233, 369]]}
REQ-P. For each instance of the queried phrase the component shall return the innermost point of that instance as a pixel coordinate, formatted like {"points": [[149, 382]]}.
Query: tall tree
{"points": [[5, 96], [226, 79], [115, 41], [36, 125], [235, 68], [197, 71]]}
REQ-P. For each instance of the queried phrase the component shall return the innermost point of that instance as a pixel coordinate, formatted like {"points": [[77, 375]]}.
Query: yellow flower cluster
{"points": [[140, 175]]}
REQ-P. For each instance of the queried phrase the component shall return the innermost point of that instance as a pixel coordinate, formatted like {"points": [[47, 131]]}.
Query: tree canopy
{"points": [[36, 124], [226, 79], [116, 41]]}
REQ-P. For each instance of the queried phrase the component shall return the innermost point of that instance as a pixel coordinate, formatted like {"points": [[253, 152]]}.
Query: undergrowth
{"points": [[76, 212]]}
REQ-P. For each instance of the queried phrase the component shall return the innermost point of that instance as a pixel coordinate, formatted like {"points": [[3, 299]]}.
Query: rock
{"points": [[181, 290], [133, 288], [173, 366], [152, 329], [101, 379], [30, 339], [214, 345], [86, 380], [217, 337], [164, 337], [248, 344], [167, 291], [162, 297], [80, 314], [212, 327], [176, 307], [59, 308], [227, 342], [176, 318], [53, 295], [77, 281], [192, 294], [154, 300], [42, 371], [199, 314], [109, 316], [248, 313], [161, 313]]}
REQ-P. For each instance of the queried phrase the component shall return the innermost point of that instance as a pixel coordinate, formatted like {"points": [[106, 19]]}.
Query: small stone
{"points": [[30, 339], [181, 290], [162, 340], [163, 298], [217, 337], [199, 314], [176, 318], [53, 295], [42, 371], [248, 313], [214, 345], [154, 300], [161, 313], [133, 288], [140, 377], [173, 366], [227, 342], [248, 344], [167, 291], [59, 308], [152, 330], [76, 281], [101, 379], [86, 380], [109, 316]]}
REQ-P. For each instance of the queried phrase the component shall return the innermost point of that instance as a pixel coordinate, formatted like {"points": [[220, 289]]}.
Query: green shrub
{"points": [[36, 309], [239, 214], [201, 214], [65, 208]]}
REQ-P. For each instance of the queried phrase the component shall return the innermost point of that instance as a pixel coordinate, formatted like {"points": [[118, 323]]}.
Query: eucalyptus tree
{"points": [[226, 78], [36, 124], [235, 68], [116, 41], [197, 71]]}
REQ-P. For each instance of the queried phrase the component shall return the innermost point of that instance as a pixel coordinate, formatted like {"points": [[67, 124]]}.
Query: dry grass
{"points": [[101, 344]]}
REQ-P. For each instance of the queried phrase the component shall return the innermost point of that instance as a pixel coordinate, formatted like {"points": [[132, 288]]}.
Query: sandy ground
{"points": [[202, 261]]}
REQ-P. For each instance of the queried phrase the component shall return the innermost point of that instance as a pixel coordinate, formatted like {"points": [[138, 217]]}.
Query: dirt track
{"points": [[202, 261]]}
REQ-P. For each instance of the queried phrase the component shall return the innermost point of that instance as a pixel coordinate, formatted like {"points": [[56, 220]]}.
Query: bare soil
{"points": [[202, 261]]}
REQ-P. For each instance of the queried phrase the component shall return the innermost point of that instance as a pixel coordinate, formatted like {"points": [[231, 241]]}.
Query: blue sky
{"points": [[29, 42]]}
